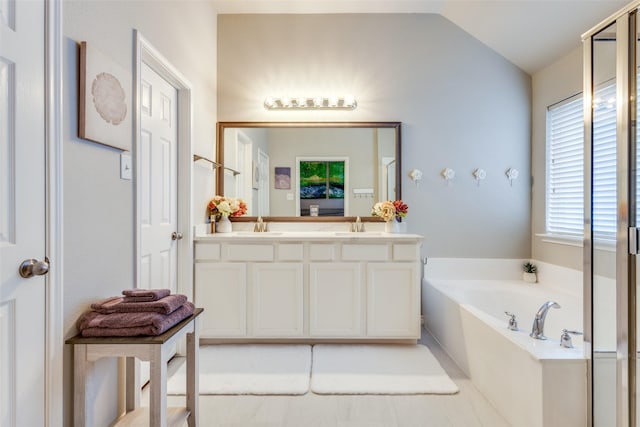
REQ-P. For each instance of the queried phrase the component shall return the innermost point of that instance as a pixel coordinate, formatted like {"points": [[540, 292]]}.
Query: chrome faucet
{"points": [[260, 226], [537, 331], [358, 226]]}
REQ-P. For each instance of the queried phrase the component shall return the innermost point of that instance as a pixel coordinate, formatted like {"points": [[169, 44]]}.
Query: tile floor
{"points": [[468, 408]]}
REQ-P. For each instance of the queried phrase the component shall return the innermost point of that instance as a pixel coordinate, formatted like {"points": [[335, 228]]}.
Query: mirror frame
{"points": [[221, 126]]}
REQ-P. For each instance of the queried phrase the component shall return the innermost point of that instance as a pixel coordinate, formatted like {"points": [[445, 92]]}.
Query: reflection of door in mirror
{"points": [[238, 167], [263, 183], [388, 178], [322, 183], [243, 148]]}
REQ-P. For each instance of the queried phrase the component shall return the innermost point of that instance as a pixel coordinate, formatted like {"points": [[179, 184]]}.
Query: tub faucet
{"points": [[537, 331]]}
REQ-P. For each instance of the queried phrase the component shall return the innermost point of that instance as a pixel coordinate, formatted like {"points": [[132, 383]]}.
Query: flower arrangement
{"points": [[221, 206], [390, 209]]}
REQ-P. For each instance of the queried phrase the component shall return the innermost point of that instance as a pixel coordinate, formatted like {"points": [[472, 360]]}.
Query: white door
{"points": [[158, 182], [22, 213]]}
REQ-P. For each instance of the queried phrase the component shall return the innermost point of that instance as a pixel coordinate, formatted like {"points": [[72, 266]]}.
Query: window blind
{"points": [[565, 157]]}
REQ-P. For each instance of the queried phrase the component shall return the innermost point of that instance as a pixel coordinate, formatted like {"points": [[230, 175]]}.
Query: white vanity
{"points": [[308, 286]]}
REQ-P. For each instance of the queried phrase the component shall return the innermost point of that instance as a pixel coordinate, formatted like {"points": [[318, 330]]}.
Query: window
{"points": [[321, 186], [565, 165]]}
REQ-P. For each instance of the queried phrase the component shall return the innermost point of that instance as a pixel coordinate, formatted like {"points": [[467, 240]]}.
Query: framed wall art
{"points": [[283, 178], [104, 111]]}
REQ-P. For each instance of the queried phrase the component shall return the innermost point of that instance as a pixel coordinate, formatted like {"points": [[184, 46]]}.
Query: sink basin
{"points": [[256, 234], [352, 234]]}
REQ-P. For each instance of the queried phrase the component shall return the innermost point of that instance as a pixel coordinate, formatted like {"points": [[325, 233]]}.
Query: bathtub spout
{"points": [[537, 331]]}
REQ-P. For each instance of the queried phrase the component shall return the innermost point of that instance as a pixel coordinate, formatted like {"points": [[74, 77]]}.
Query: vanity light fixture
{"points": [[347, 102]]}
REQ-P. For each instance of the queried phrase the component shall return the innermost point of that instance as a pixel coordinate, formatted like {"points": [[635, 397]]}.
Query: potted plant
{"points": [[529, 275]]}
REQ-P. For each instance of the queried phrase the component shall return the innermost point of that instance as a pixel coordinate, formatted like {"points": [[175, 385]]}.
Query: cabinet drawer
{"points": [[291, 252], [248, 252], [322, 252], [405, 252], [365, 252], [207, 251]]}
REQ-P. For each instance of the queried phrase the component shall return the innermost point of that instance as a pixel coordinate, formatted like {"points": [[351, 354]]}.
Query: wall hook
{"points": [[479, 175], [512, 174], [415, 175], [448, 174]]}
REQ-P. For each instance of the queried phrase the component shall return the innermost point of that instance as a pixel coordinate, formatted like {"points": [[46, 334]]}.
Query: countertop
{"points": [[367, 236]]}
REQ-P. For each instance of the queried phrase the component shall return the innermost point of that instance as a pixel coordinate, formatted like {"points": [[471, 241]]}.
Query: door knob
{"points": [[33, 267], [176, 236]]}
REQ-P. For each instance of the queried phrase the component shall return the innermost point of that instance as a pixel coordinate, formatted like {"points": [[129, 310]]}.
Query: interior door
{"points": [[158, 175], [158, 183], [22, 214]]}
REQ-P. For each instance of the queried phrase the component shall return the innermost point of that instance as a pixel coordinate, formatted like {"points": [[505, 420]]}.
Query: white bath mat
{"points": [[377, 369], [249, 369]]}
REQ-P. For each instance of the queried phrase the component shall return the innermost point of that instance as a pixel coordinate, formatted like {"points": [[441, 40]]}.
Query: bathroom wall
{"points": [[556, 82], [99, 206], [461, 105]]}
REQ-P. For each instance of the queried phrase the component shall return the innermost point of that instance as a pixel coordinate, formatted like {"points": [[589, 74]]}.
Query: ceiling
{"points": [[530, 33]]}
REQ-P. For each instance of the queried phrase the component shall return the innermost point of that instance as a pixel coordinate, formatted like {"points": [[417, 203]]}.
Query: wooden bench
{"points": [[156, 350]]}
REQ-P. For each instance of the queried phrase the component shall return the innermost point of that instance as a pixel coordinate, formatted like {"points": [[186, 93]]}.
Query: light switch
{"points": [[289, 196], [125, 165]]}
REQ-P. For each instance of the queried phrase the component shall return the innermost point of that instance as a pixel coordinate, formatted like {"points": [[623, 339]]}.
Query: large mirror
{"points": [[309, 170]]}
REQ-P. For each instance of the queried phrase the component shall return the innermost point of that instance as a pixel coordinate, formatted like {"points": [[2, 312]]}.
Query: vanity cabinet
{"points": [[336, 298], [391, 299], [308, 287], [224, 288], [276, 300]]}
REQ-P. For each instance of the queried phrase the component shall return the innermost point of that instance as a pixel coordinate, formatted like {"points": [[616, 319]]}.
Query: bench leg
{"points": [[193, 387], [158, 387]]}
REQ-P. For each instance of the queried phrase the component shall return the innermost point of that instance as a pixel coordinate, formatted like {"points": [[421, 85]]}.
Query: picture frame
{"points": [[282, 178], [104, 110]]}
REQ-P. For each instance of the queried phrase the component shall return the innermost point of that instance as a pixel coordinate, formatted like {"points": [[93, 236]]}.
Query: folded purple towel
{"points": [[144, 295], [94, 324], [164, 305]]}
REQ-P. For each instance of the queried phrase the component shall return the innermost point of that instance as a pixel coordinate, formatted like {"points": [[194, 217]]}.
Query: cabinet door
{"points": [[277, 300], [221, 289], [393, 300], [335, 300]]}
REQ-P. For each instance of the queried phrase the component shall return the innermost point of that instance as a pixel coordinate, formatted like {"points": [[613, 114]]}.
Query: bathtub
{"points": [[530, 382]]}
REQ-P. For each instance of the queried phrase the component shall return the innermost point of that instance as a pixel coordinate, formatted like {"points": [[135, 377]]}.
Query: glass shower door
{"points": [[603, 161]]}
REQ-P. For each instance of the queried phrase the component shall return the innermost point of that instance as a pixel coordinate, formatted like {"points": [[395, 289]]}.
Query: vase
{"points": [[529, 277], [224, 225], [392, 226]]}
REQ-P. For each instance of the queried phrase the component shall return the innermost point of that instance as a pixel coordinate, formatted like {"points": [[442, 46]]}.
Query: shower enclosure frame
{"points": [[626, 232]]}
